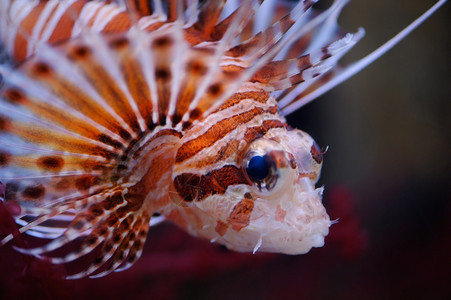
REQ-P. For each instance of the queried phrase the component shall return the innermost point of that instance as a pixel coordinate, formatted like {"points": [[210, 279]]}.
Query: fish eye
{"points": [[258, 168], [261, 170]]}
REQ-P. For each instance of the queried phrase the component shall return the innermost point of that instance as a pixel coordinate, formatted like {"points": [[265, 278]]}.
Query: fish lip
{"points": [[306, 184]]}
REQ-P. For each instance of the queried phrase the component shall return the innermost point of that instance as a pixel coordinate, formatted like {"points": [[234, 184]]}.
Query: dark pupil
{"points": [[258, 168]]}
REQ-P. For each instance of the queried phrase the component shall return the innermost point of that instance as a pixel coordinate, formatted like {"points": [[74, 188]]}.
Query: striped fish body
{"points": [[117, 112]]}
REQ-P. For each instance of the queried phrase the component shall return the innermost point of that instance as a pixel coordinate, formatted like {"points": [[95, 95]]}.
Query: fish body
{"points": [[116, 112]]}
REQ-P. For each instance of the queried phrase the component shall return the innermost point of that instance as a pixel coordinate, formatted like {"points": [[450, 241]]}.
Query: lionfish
{"points": [[119, 112]]}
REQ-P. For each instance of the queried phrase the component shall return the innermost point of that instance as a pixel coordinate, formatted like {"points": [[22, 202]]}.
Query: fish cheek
{"points": [[240, 216]]}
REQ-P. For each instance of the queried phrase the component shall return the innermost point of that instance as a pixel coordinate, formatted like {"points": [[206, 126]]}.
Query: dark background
{"points": [[387, 177]]}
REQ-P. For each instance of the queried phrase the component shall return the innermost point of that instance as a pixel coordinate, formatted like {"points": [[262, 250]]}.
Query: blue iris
{"points": [[258, 168]]}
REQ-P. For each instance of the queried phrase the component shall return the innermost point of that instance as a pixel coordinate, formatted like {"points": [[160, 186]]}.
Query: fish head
{"points": [[264, 199]]}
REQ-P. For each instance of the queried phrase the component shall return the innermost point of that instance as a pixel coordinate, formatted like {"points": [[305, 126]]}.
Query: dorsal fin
{"points": [[281, 75], [208, 17], [297, 97], [264, 40]]}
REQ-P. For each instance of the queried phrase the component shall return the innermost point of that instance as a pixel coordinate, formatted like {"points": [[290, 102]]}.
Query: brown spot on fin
{"points": [[51, 163]]}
